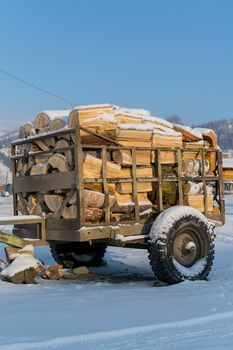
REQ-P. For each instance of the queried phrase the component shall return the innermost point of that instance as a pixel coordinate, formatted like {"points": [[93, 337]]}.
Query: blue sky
{"points": [[171, 57]]}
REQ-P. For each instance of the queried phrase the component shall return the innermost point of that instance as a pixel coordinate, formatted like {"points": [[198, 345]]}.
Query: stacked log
{"points": [[103, 125]]}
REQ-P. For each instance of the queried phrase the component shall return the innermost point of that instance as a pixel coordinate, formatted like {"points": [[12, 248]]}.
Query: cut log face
{"points": [[59, 162], [39, 169], [42, 146], [62, 143], [53, 202], [50, 142], [57, 124], [42, 121], [94, 214], [96, 199], [42, 159], [70, 212], [26, 130]]}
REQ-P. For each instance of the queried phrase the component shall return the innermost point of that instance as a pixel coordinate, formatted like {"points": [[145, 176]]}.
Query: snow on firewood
{"points": [[23, 268], [142, 127]]}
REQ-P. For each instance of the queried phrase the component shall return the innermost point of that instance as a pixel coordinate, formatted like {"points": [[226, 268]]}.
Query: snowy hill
{"points": [[5, 162]]}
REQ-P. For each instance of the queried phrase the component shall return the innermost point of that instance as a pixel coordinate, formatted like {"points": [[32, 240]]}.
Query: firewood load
{"points": [[111, 125]]}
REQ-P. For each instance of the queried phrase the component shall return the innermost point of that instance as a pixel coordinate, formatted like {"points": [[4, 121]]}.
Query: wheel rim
{"points": [[187, 247]]}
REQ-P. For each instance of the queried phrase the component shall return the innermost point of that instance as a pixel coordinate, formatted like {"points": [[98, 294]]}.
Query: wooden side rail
{"points": [[22, 220]]}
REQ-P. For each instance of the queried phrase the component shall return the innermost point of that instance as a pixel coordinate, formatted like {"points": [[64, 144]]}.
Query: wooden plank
{"points": [[79, 173], [135, 189], [160, 181], [20, 219], [99, 135], [13, 170], [43, 136], [11, 240], [204, 182], [221, 187], [42, 153], [65, 202], [43, 183], [105, 185], [179, 170]]}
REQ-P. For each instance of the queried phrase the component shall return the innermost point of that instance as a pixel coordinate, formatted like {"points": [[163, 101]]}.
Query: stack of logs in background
{"points": [[127, 127]]}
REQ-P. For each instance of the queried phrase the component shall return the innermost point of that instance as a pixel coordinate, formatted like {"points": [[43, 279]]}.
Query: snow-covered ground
{"points": [[120, 308]]}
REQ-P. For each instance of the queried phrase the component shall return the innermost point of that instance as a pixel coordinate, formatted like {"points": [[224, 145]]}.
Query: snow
{"points": [[119, 308], [140, 127], [227, 162], [54, 114], [103, 105], [5, 173], [132, 112], [166, 132], [121, 238], [194, 132], [204, 131], [21, 263], [166, 219], [105, 117], [192, 271]]}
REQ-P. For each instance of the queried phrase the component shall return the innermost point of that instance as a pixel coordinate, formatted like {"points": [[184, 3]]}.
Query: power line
{"points": [[37, 87]]}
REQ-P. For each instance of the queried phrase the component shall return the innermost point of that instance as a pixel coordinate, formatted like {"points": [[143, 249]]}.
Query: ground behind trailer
{"points": [[120, 308]]}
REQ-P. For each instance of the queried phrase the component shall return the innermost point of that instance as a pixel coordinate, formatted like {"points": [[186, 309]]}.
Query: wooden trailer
{"points": [[77, 237]]}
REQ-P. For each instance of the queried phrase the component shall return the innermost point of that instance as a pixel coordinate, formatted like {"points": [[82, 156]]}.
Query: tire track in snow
{"points": [[61, 342]]}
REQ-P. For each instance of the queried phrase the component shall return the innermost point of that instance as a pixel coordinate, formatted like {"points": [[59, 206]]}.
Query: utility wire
{"points": [[37, 87]]}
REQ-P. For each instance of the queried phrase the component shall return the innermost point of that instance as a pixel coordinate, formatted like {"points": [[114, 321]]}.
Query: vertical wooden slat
{"points": [[135, 190], [13, 169], [79, 174], [203, 175], [160, 181], [179, 173], [221, 186], [105, 185]]}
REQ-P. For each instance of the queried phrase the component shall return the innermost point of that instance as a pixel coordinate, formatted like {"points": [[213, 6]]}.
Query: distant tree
{"points": [[175, 119]]}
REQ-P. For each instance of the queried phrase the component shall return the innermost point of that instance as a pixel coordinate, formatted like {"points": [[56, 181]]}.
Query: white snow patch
{"points": [[132, 112], [103, 105], [53, 114], [190, 272], [21, 263], [105, 117], [140, 127], [166, 219], [192, 131], [204, 131]]}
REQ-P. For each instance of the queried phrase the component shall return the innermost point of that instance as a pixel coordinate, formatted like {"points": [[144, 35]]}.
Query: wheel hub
{"points": [[186, 248]]}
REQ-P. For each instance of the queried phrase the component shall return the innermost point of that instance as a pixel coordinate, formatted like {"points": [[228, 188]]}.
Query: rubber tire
{"points": [[160, 252], [70, 254]]}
